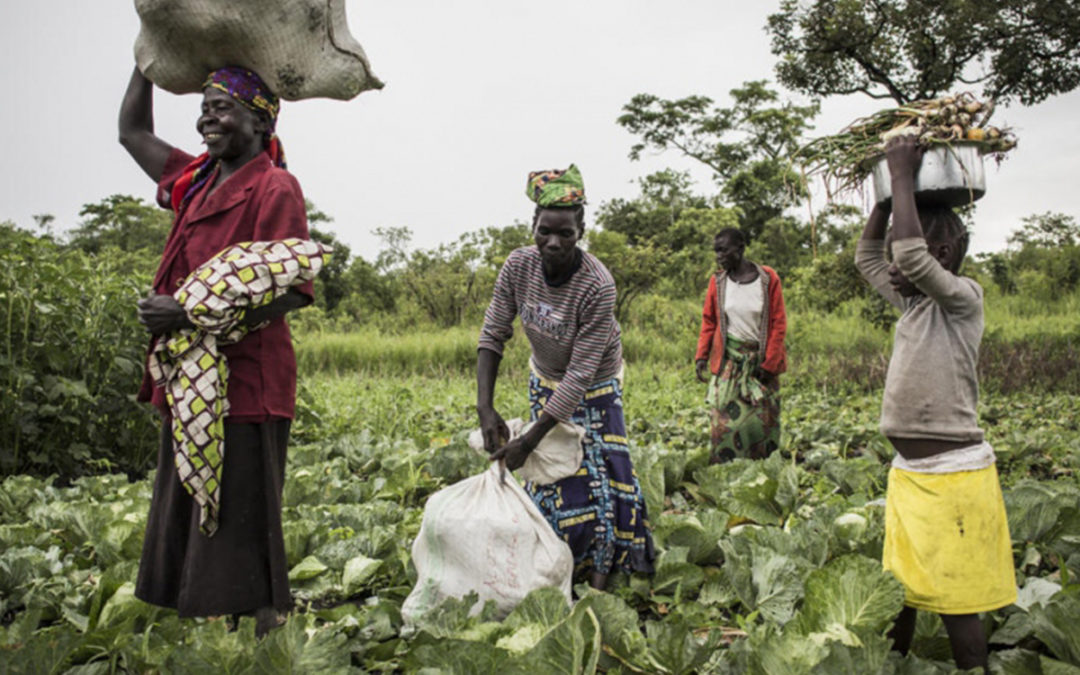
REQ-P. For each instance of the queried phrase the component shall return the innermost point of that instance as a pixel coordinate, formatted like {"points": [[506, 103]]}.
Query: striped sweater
{"points": [[571, 328]]}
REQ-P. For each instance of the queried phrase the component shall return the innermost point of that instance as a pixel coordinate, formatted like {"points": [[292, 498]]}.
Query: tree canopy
{"points": [[1025, 50], [1046, 230], [120, 222], [659, 240], [746, 145]]}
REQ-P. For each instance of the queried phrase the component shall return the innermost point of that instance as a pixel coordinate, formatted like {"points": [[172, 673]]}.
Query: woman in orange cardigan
{"points": [[742, 345]]}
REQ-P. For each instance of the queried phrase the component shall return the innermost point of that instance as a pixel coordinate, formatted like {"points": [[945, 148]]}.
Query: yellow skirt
{"points": [[947, 540]]}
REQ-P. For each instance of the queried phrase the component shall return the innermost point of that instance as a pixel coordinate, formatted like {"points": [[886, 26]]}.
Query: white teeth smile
{"points": [[211, 137]]}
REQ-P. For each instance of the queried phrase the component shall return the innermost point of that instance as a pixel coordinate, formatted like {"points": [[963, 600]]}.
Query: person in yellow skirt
{"points": [[946, 535]]}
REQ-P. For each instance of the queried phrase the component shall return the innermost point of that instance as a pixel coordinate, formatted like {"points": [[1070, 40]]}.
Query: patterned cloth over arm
{"points": [[193, 371]]}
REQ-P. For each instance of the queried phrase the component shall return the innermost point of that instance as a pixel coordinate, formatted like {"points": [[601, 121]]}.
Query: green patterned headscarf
{"points": [[556, 188]]}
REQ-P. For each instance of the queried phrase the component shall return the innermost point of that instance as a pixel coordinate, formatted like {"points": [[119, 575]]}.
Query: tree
{"points": [[331, 286], [636, 269], [650, 217], [746, 145], [368, 291], [121, 222], [447, 282], [498, 242], [783, 244], [1042, 260], [905, 50], [44, 223], [1044, 256], [72, 352], [1046, 230], [686, 269], [786, 243], [660, 240]]}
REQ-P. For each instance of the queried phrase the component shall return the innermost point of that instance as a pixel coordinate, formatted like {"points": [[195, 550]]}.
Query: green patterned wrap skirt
{"points": [[745, 411]]}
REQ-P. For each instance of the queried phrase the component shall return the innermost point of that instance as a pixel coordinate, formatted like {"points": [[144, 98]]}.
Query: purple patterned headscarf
{"points": [[248, 88]]}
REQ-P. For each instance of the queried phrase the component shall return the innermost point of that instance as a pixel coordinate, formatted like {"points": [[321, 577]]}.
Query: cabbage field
{"points": [[764, 567]]}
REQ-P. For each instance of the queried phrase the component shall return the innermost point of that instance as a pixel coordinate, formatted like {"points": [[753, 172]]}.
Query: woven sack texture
{"points": [[300, 48]]}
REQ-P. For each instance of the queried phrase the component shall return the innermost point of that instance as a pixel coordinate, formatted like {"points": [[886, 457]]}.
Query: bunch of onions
{"points": [[845, 159]]}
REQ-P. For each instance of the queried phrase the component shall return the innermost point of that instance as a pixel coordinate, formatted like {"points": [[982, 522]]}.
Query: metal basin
{"points": [[949, 176]]}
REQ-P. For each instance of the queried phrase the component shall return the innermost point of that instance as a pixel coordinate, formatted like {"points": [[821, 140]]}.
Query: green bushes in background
{"points": [[72, 352], [71, 358]]}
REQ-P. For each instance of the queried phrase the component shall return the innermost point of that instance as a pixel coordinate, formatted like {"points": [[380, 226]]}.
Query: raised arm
{"points": [[870, 255], [876, 224], [137, 127], [904, 157], [909, 246]]}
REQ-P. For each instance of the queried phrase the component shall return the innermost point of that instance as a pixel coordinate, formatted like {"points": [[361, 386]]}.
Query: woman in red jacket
{"points": [[742, 345], [237, 191]]}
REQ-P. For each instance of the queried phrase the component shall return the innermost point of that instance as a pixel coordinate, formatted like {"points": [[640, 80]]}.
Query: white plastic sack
{"points": [[300, 48], [557, 456], [486, 535]]}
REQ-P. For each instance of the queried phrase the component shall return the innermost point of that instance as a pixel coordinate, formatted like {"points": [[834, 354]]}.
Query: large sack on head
{"points": [[485, 535], [300, 48]]}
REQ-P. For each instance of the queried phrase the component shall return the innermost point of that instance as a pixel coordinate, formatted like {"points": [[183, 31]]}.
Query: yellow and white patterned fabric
{"points": [[195, 373]]}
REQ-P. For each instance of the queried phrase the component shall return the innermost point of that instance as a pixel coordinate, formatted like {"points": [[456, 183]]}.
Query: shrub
{"points": [[71, 359]]}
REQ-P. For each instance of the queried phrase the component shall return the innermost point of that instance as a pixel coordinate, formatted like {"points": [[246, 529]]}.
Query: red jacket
{"points": [[774, 324], [259, 202]]}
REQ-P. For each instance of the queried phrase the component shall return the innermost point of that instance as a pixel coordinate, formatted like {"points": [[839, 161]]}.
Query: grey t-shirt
{"points": [[932, 385]]}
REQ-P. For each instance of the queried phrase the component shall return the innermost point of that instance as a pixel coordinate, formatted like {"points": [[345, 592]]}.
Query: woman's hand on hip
{"points": [[701, 369], [493, 429]]}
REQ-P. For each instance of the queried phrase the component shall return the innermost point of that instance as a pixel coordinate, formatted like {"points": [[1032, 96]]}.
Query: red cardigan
{"points": [[711, 341]]}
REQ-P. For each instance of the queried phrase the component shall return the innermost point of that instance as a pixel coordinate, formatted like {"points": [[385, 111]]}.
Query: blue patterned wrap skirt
{"points": [[600, 510]]}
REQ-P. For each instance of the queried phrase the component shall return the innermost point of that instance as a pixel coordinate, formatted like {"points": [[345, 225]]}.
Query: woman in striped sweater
{"points": [[565, 298]]}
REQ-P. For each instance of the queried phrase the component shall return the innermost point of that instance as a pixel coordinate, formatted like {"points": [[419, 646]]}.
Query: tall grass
{"points": [[418, 382], [1022, 317], [1027, 345], [432, 351], [836, 351]]}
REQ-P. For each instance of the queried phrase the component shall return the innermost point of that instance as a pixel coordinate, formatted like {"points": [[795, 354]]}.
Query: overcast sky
{"points": [[477, 94]]}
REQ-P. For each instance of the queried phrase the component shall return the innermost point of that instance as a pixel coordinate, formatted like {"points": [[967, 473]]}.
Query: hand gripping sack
{"points": [[558, 455], [485, 534], [300, 48]]}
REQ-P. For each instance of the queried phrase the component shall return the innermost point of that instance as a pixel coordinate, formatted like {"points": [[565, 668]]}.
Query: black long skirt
{"points": [[243, 566]]}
